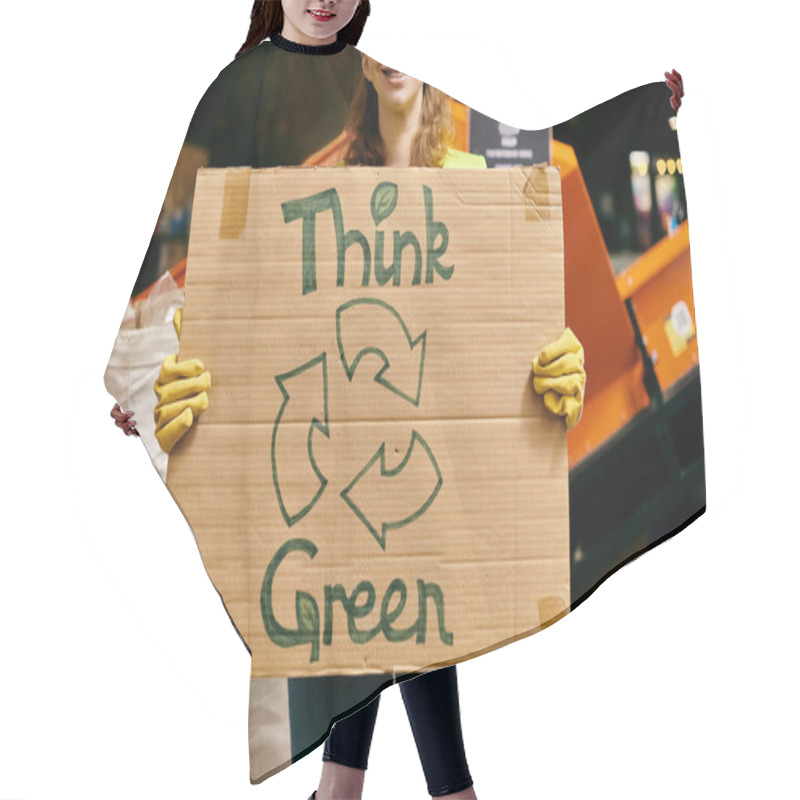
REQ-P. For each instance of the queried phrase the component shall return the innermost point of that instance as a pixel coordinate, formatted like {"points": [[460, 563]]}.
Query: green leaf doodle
{"points": [[384, 201]]}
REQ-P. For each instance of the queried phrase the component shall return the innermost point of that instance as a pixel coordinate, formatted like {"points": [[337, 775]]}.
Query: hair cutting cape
{"points": [[635, 460]]}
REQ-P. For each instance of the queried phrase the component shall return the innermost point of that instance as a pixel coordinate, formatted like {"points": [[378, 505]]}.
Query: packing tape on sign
{"points": [[537, 193], [551, 608], [235, 198]]}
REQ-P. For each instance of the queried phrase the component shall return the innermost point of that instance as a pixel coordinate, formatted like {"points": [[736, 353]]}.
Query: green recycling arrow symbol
{"points": [[376, 492], [366, 326], [299, 416]]}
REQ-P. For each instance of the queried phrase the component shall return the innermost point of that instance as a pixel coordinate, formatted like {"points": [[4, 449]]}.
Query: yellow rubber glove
{"points": [[560, 377], [181, 389]]}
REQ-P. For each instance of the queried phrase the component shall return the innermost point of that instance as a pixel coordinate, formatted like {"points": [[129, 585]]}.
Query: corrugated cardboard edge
{"points": [[551, 609]]}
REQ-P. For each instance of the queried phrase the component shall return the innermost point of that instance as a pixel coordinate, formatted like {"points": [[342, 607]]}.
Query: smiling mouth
{"points": [[321, 15]]}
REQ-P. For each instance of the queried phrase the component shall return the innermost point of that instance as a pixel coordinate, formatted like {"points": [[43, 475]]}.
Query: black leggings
{"points": [[432, 707]]}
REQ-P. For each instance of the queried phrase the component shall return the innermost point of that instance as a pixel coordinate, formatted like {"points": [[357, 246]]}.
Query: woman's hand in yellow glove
{"points": [[559, 376], [181, 389]]}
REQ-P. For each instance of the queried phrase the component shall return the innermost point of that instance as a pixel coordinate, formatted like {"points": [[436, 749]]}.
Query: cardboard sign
{"points": [[375, 486]]}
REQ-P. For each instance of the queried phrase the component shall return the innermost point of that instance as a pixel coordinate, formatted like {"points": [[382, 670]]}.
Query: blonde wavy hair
{"points": [[430, 144]]}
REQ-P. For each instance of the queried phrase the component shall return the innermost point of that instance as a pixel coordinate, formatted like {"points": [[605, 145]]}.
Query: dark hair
{"points": [[266, 19]]}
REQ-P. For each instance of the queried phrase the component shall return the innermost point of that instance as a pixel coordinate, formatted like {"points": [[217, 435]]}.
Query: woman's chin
{"points": [[314, 32], [398, 97]]}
